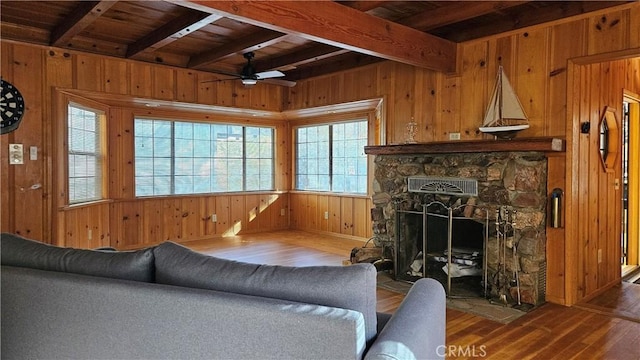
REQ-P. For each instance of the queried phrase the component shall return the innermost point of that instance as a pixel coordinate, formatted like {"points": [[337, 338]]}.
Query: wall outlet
{"points": [[326, 215], [454, 136], [214, 217], [89, 234], [282, 212]]}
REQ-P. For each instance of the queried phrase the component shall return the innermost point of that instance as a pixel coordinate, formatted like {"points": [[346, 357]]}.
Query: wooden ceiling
{"points": [[302, 39]]}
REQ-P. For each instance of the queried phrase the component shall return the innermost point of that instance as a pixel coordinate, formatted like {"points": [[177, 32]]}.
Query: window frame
{"points": [[102, 148], [172, 156], [368, 117]]}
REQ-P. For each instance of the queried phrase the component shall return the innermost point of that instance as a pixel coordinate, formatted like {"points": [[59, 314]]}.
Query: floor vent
{"points": [[542, 283], [443, 185]]}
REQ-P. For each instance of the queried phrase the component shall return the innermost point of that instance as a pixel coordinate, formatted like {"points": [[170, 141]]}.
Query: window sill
{"points": [[329, 193], [86, 204], [231, 193]]}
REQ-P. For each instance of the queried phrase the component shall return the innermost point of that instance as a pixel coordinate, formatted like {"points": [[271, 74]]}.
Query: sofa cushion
{"points": [[348, 287], [55, 315], [128, 265]]}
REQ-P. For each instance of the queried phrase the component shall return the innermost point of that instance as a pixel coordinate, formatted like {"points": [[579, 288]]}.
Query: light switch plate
{"points": [[16, 154]]}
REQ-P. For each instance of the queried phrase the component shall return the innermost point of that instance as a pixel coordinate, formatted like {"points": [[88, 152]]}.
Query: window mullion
{"points": [[244, 158], [273, 159], [330, 157], [88, 153], [173, 158]]}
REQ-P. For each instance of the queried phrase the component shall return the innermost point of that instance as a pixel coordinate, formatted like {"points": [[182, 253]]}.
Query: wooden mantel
{"points": [[543, 144]]}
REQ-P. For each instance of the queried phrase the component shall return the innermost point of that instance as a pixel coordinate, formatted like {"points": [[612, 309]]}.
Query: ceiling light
{"points": [[249, 81]]}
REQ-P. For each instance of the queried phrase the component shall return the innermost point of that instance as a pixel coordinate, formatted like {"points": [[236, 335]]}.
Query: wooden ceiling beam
{"points": [[252, 42], [172, 31], [85, 14], [292, 60], [454, 12], [363, 5], [337, 25], [343, 62], [530, 18]]}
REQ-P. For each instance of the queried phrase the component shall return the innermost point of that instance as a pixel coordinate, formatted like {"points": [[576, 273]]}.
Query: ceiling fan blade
{"points": [[269, 74], [219, 80], [280, 82], [225, 73], [248, 75]]}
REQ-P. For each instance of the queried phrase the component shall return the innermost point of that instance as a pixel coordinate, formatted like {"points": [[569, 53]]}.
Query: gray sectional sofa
{"points": [[169, 302]]}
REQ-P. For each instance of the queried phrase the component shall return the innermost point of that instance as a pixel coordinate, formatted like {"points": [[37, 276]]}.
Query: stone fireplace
{"points": [[510, 208]]}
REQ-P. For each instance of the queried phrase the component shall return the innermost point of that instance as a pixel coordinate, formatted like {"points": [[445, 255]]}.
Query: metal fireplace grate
{"points": [[443, 185]]}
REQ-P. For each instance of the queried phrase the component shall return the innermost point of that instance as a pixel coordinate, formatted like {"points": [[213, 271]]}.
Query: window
{"points": [[174, 157], [84, 154], [312, 158], [331, 157]]}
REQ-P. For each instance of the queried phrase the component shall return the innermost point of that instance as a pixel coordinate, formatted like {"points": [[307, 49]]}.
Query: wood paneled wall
{"points": [[33, 195], [538, 62], [142, 223], [25, 205], [124, 221], [535, 59], [130, 224], [348, 216], [594, 195]]}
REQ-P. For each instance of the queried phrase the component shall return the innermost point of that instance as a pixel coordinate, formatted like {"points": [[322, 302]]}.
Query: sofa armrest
{"points": [[417, 329]]}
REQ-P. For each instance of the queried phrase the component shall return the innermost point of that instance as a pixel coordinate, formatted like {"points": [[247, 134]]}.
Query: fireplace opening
{"points": [[447, 248], [509, 193]]}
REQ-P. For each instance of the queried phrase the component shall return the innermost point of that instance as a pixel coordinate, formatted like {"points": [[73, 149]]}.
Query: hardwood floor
{"points": [[623, 301], [291, 248], [549, 332]]}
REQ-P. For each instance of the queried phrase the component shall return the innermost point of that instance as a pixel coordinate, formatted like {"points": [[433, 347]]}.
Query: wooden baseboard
{"points": [[329, 233], [556, 300], [600, 291]]}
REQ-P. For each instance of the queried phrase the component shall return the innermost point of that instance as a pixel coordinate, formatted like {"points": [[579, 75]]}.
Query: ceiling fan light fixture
{"points": [[249, 77], [249, 81]]}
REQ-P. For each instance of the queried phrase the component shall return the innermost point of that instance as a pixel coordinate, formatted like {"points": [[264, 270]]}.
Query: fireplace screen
{"points": [[438, 244]]}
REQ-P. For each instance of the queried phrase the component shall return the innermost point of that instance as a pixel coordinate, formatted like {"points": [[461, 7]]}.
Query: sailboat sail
{"points": [[505, 114]]}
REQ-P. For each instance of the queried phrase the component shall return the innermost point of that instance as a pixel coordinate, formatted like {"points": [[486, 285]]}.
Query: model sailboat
{"points": [[505, 116]]}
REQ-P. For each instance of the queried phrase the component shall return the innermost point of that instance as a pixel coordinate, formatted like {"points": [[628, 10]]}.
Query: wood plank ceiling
{"points": [[302, 39]]}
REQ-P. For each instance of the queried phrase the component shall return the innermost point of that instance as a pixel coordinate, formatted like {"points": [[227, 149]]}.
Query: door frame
{"points": [[633, 196], [574, 194]]}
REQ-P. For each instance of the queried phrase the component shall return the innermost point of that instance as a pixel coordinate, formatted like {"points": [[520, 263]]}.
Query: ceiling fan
{"points": [[250, 77]]}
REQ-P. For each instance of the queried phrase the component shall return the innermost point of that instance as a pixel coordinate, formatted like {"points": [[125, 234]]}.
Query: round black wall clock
{"points": [[11, 107]]}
